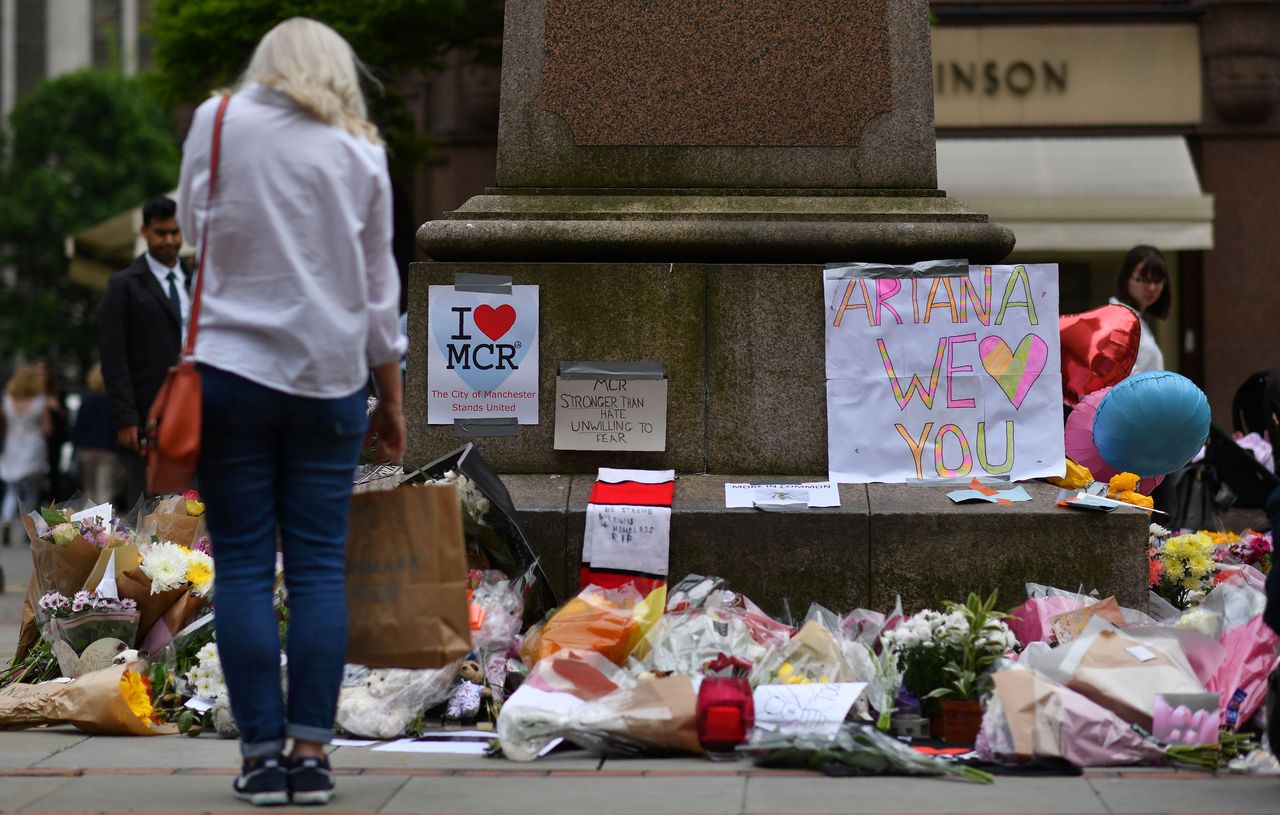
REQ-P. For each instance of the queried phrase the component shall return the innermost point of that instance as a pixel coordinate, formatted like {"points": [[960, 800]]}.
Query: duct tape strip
{"points": [[927, 268], [480, 428], [594, 369], [482, 283]]}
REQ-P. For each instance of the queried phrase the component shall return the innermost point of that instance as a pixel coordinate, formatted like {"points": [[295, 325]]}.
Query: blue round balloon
{"points": [[1151, 423]]}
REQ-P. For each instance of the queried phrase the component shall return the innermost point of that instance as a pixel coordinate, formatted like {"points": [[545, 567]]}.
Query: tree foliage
{"points": [[82, 147], [201, 45]]}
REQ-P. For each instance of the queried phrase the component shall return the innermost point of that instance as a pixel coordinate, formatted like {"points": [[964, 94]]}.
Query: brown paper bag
{"points": [[54, 568], [407, 578], [93, 703]]}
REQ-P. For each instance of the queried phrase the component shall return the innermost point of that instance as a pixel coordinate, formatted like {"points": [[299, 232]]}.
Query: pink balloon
{"points": [[1080, 446]]}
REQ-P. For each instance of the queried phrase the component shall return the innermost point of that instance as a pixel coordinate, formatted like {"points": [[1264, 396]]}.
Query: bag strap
{"points": [[193, 320]]}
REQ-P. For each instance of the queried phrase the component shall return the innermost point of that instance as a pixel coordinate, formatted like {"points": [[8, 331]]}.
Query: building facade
{"points": [[40, 39]]}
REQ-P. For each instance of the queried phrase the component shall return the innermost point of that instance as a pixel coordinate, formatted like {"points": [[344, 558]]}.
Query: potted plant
{"points": [[982, 639]]}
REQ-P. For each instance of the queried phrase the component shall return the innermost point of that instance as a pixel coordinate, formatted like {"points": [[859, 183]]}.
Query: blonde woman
{"points": [[25, 459], [300, 305]]}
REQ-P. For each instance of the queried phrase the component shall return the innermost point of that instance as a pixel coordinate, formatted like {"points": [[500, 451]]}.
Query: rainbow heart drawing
{"points": [[1015, 371]]}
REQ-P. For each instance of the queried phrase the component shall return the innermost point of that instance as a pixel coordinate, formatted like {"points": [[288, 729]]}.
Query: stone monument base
{"points": [[884, 541]]}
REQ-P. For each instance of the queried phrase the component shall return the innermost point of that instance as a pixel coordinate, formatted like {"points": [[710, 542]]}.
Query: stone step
{"points": [[884, 540]]}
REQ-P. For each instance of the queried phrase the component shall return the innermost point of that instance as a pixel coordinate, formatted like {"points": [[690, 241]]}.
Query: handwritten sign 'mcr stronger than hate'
{"points": [[611, 414]]}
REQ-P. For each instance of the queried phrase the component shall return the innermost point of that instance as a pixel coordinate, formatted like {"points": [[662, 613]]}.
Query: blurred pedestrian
{"points": [[1143, 285], [54, 486], [95, 441], [25, 458], [140, 330], [300, 300]]}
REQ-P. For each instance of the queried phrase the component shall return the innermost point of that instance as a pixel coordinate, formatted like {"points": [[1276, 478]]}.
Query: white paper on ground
{"points": [[200, 704], [466, 748], [820, 493], [814, 707], [610, 475], [353, 742]]}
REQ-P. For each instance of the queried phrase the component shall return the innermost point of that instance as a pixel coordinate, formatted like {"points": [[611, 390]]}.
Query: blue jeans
{"points": [[272, 461]]}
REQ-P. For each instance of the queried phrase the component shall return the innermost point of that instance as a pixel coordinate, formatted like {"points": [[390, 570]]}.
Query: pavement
{"points": [[62, 770]]}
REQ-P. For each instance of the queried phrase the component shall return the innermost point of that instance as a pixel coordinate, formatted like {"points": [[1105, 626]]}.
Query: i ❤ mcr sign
{"points": [[943, 370], [482, 355]]}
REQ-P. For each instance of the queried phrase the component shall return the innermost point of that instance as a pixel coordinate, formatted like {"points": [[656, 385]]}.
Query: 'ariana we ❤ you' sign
{"points": [[936, 376]]}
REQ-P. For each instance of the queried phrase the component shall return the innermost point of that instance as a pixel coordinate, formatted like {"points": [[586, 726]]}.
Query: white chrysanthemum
{"points": [[165, 564], [206, 675]]}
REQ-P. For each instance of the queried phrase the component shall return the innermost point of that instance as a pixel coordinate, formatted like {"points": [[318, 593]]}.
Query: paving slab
{"points": [[16, 793], [919, 795], [585, 796], [193, 793], [121, 752], [27, 748], [677, 766], [1207, 794]]}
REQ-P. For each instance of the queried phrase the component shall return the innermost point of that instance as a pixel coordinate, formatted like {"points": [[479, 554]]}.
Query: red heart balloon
{"points": [[1099, 348]]}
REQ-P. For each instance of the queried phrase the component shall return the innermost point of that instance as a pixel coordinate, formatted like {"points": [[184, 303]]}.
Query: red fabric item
{"points": [[634, 494], [613, 580]]}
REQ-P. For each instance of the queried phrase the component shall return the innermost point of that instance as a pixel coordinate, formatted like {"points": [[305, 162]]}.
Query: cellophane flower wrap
{"points": [[652, 714], [1029, 717], [608, 621]]}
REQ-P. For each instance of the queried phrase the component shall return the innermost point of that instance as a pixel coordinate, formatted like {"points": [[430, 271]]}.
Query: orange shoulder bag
{"points": [[173, 424]]}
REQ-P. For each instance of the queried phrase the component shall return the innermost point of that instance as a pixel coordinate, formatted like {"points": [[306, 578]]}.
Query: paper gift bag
{"points": [[407, 578]]}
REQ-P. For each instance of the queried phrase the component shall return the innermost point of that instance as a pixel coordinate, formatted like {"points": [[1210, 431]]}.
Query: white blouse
{"points": [[1150, 357], [301, 291]]}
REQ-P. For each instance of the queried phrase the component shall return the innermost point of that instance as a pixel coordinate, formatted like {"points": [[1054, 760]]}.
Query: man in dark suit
{"points": [[140, 330]]}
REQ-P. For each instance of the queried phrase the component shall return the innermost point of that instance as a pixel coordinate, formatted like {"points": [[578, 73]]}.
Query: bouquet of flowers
{"points": [[170, 583], [1254, 549], [1182, 566], [86, 631]]}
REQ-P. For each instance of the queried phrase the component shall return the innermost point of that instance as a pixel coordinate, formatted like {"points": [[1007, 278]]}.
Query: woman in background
{"points": [[300, 300], [1143, 285], [95, 439], [25, 458]]}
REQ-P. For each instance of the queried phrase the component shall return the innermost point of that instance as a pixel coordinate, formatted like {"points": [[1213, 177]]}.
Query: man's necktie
{"points": [[173, 295]]}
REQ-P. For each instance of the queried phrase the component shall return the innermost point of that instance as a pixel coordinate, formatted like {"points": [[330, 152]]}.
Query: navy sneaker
{"points": [[310, 780], [263, 782]]}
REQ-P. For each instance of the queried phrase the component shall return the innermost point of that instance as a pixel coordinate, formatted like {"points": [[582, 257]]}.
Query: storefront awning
{"points": [[1082, 194]]}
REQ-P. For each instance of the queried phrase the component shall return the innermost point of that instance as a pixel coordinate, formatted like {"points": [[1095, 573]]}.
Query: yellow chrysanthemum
{"points": [[133, 687], [1173, 567], [1200, 565], [1191, 584]]}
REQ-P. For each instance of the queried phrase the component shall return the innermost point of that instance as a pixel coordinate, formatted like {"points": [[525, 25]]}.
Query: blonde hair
{"points": [[314, 66], [94, 380], [25, 383]]}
